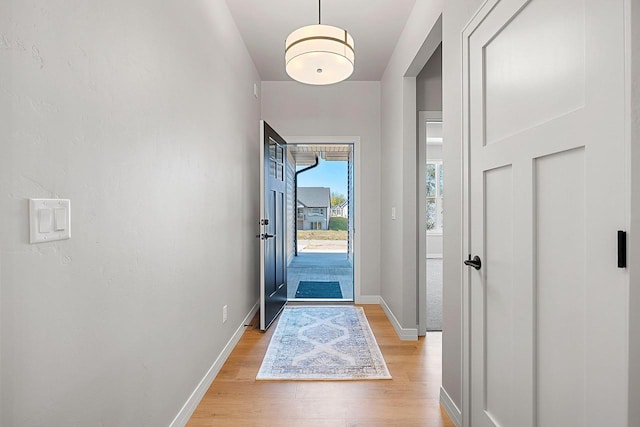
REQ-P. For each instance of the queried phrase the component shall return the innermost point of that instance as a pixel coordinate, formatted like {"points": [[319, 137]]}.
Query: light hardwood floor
{"points": [[410, 399]]}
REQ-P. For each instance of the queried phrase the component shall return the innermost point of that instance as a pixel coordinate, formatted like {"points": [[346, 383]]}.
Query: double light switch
{"points": [[50, 219]]}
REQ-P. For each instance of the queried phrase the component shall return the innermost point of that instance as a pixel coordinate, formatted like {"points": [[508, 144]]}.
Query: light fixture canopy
{"points": [[319, 54]]}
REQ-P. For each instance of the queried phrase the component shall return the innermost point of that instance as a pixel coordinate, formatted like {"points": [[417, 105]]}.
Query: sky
{"points": [[326, 174]]}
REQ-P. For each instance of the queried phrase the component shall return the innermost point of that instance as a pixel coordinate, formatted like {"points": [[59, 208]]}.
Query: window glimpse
{"points": [[435, 195], [276, 160]]}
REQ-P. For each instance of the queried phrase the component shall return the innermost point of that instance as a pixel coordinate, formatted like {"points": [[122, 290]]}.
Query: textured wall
{"points": [[398, 171], [142, 113], [429, 84]]}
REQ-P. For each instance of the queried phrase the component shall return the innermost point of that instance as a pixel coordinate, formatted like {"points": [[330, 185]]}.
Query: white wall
{"points": [[344, 109], [429, 84], [398, 179], [142, 113]]}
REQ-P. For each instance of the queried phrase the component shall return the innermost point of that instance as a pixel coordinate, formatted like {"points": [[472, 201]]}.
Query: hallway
{"points": [[410, 399]]}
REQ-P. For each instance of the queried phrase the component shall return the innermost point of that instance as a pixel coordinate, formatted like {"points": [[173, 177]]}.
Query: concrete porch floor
{"points": [[320, 266]]}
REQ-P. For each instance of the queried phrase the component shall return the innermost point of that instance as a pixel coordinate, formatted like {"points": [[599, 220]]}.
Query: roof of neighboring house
{"points": [[314, 197]]}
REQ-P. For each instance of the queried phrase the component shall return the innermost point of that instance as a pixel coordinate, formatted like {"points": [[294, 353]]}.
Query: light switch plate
{"points": [[57, 212]]}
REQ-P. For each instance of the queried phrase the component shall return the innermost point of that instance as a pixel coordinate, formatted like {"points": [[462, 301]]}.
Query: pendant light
{"points": [[319, 54]]}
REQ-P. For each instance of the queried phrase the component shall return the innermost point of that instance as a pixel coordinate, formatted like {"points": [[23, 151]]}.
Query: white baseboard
{"points": [[405, 334], [368, 299], [187, 409], [450, 407]]}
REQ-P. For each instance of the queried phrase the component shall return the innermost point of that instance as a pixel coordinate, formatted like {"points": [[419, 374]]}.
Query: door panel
{"points": [[543, 91], [273, 266], [500, 368], [531, 42], [560, 242]]}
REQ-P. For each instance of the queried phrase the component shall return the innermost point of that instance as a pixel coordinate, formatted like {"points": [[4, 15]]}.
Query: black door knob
{"points": [[475, 262]]}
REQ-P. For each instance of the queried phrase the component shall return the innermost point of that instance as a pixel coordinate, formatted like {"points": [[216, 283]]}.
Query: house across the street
{"points": [[341, 210], [314, 204]]}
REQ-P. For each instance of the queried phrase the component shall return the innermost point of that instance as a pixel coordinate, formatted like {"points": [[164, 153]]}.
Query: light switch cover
{"points": [[49, 220], [60, 219], [44, 220]]}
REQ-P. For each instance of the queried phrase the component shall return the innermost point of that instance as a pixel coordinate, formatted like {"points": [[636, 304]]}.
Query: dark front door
{"points": [[273, 268]]}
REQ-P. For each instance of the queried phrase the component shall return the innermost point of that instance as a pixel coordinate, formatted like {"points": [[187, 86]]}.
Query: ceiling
{"points": [[305, 154], [374, 24]]}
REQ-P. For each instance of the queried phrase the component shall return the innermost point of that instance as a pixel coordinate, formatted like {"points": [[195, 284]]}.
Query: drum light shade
{"points": [[319, 55]]}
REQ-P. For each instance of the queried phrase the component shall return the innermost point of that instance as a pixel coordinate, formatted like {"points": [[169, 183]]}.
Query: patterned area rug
{"points": [[323, 343]]}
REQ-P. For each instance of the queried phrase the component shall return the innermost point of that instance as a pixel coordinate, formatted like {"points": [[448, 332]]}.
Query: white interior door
{"points": [[544, 99]]}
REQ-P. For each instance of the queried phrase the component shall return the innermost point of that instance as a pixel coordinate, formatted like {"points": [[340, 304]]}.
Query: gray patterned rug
{"points": [[323, 343]]}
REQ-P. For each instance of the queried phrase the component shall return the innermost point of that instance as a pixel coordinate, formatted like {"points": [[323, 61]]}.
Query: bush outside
{"points": [[338, 223]]}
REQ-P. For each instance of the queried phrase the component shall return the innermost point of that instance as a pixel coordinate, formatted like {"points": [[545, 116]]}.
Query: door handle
{"points": [[475, 262], [264, 236]]}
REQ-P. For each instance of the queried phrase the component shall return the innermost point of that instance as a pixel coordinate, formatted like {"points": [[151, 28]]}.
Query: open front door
{"points": [[273, 266]]}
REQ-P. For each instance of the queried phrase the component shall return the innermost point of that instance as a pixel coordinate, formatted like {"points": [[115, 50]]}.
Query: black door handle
{"points": [[475, 262], [268, 236]]}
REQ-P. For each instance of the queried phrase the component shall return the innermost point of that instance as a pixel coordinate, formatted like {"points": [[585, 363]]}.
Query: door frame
{"points": [[423, 117], [467, 31], [355, 141]]}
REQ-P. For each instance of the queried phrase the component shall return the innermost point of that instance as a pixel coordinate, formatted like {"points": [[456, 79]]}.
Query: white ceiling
{"points": [[374, 24], [305, 154]]}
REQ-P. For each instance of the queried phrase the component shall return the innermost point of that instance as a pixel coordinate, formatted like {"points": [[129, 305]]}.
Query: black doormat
{"points": [[318, 290]]}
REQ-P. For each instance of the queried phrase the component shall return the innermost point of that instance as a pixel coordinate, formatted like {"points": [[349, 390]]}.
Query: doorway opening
{"points": [[431, 207], [321, 222], [434, 180]]}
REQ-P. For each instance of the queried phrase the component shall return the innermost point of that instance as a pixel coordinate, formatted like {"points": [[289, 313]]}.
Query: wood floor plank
{"points": [[411, 398]]}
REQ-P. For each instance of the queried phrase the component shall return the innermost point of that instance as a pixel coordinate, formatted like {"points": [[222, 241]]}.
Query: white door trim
{"points": [[632, 140], [467, 31], [355, 140]]}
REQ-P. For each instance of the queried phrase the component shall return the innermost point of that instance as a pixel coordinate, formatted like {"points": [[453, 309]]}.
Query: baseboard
{"points": [[405, 334], [368, 299], [187, 409], [450, 407]]}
